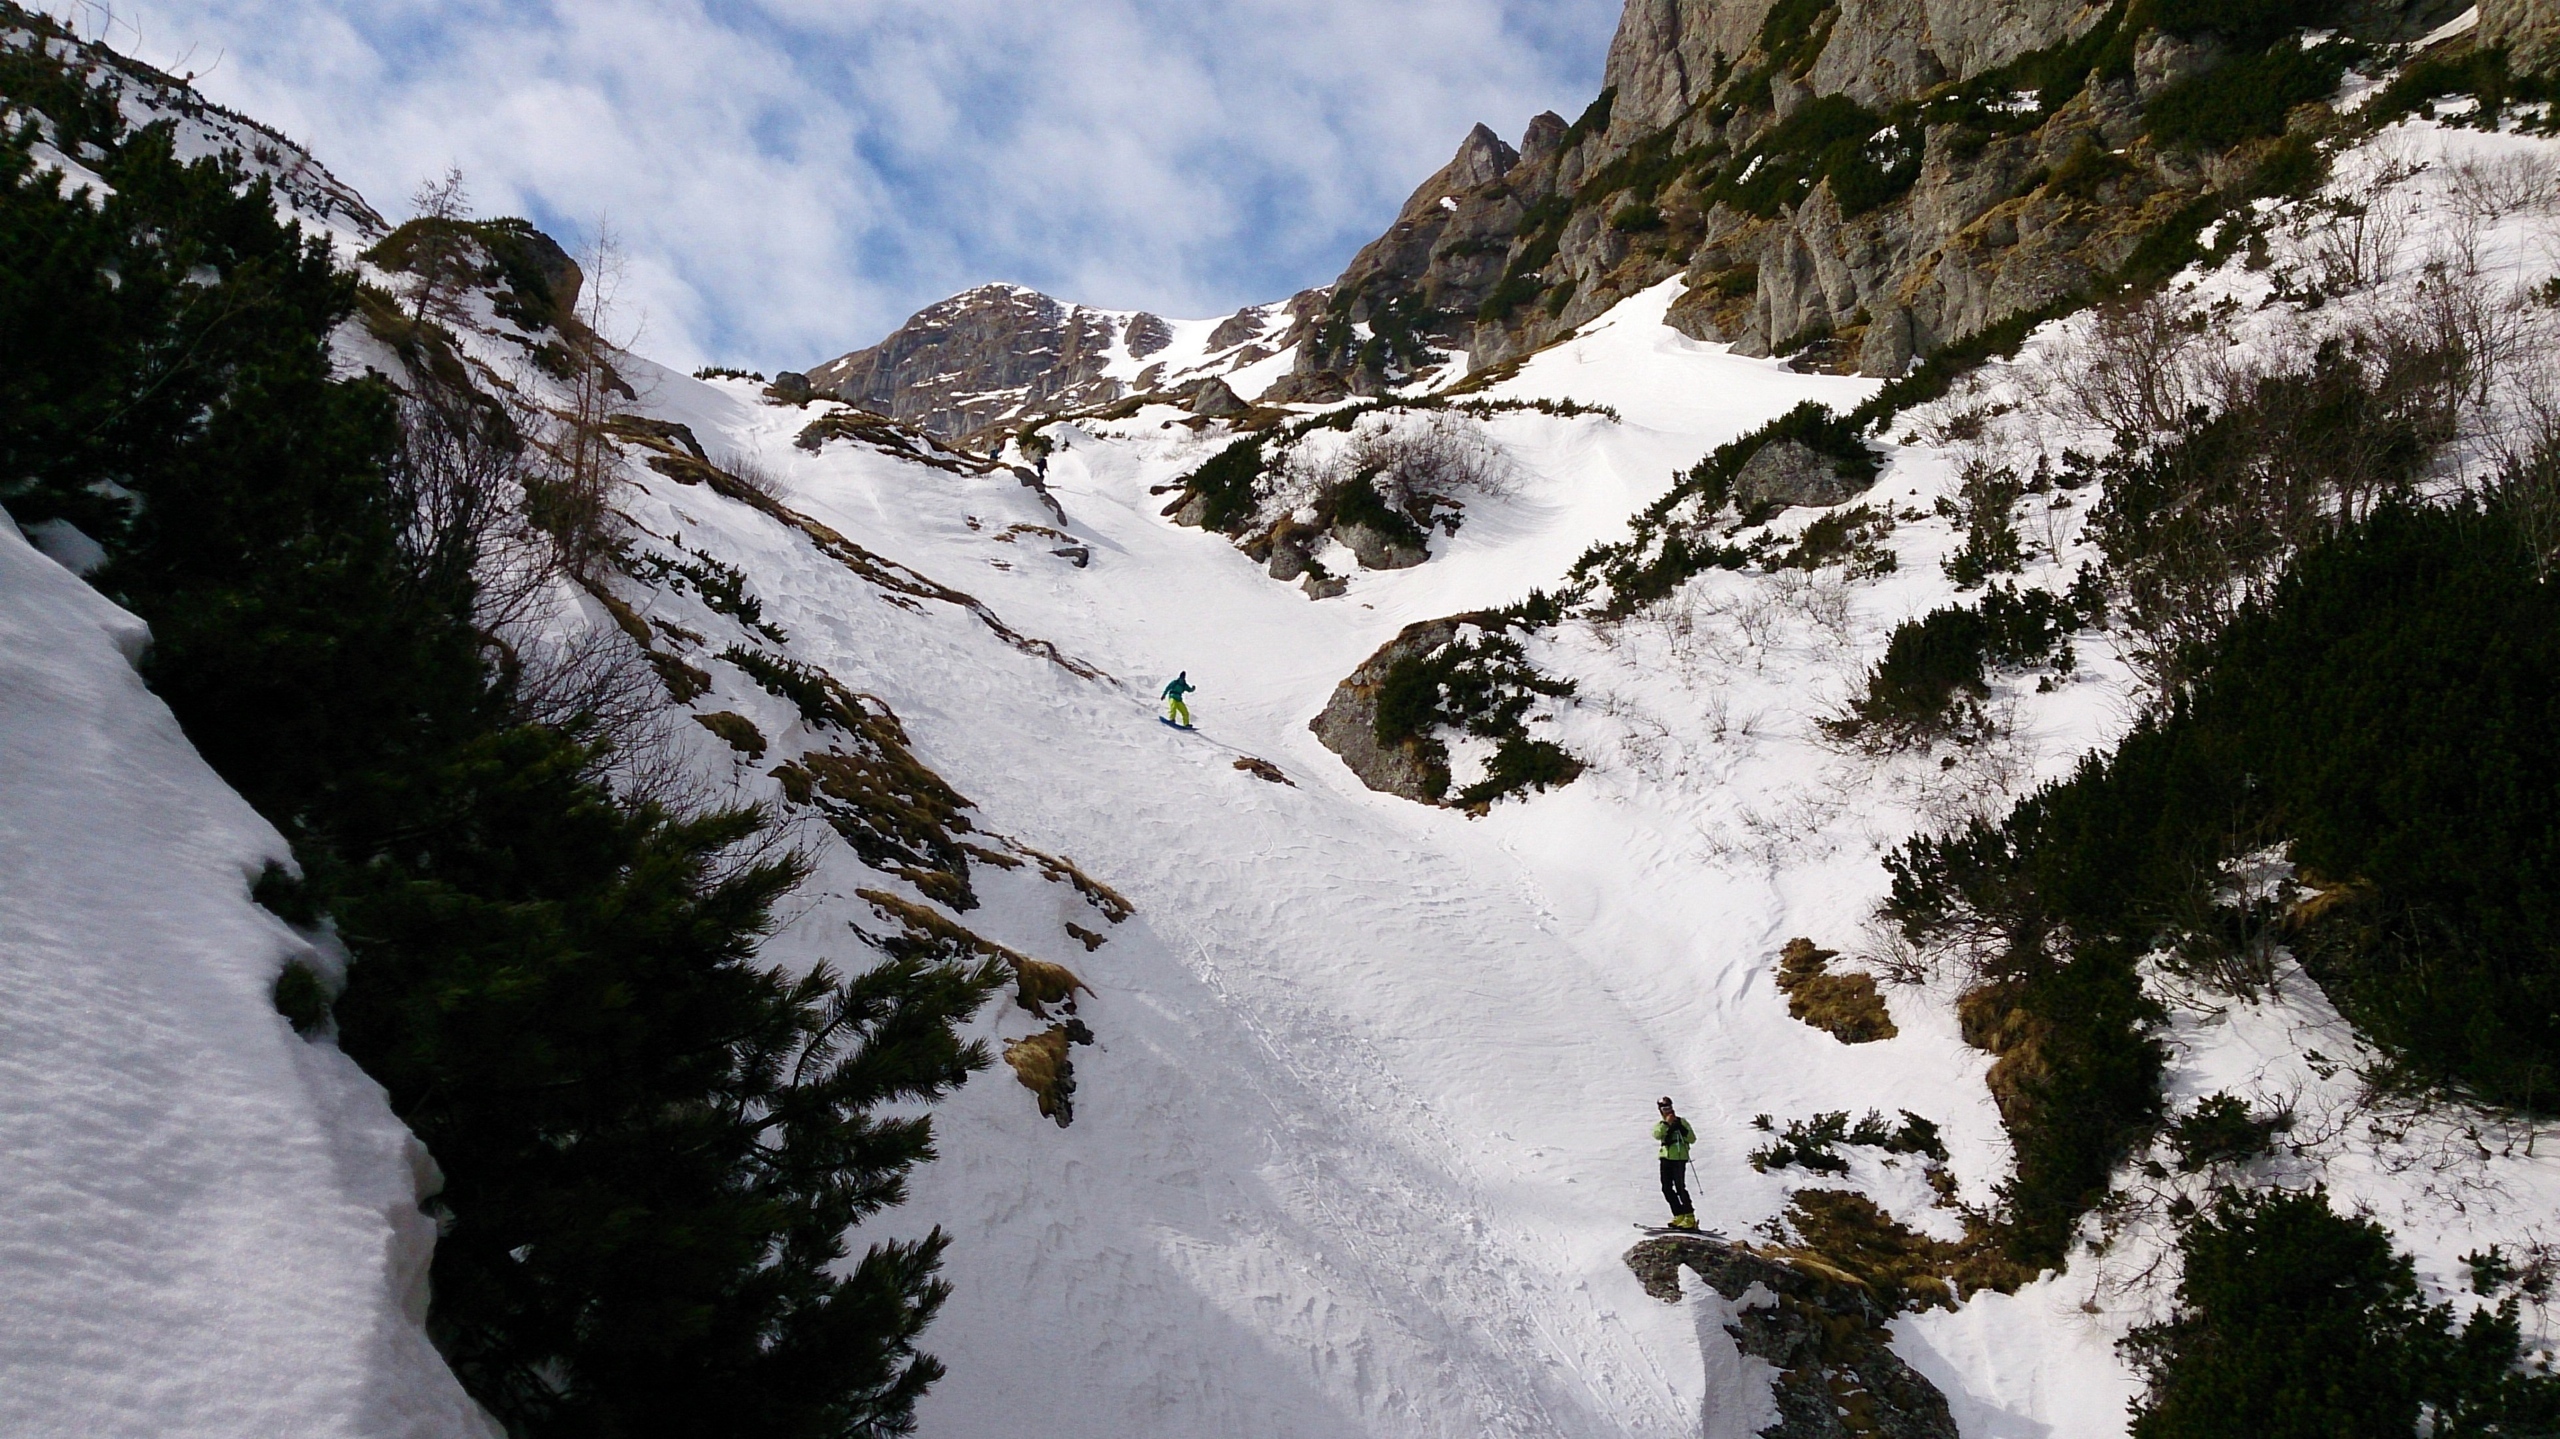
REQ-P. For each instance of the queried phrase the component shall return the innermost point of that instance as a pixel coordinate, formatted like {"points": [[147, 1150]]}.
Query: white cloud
{"points": [[792, 177]]}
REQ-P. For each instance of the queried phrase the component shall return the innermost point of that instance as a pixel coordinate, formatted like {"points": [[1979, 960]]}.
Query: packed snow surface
{"points": [[208, 1224]]}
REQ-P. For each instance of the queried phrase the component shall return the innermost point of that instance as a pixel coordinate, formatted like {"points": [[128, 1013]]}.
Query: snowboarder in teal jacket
{"points": [[1674, 1135], [1176, 712]]}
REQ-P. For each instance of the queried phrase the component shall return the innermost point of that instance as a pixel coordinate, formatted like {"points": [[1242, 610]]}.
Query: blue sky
{"points": [[790, 178]]}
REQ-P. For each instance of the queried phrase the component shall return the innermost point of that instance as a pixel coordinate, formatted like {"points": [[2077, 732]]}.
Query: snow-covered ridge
{"points": [[304, 189], [1001, 354]]}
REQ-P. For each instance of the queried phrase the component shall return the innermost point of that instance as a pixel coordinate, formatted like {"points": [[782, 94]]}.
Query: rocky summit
{"points": [[1000, 353]]}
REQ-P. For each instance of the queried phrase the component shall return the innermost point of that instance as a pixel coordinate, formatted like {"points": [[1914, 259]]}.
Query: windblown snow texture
{"points": [[208, 1224]]}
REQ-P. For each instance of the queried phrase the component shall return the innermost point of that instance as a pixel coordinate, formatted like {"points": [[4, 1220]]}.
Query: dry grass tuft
{"points": [[1040, 1062], [736, 730], [1848, 1007], [1038, 984], [1264, 769], [1846, 1233]]}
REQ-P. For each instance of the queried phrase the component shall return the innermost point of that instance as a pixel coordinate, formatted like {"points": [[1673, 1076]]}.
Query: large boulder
{"points": [[1378, 550], [1349, 724], [1215, 398], [1790, 472]]}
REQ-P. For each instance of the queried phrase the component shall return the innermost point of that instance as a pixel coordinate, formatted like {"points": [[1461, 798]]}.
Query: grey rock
{"points": [[1448, 244], [1882, 52], [2530, 29], [1886, 352], [1325, 587], [1349, 724], [1789, 472], [1076, 555], [1378, 550], [1663, 59], [561, 277], [1146, 334], [1543, 138], [2165, 59], [789, 388], [1214, 397], [1245, 324], [1317, 387], [1787, 95], [1822, 1330], [1288, 559], [1694, 314]]}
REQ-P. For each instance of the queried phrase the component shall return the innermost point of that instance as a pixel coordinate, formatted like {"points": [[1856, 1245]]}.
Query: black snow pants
{"points": [[1675, 1186]]}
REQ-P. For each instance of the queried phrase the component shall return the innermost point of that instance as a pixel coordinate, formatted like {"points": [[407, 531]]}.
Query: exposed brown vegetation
{"points": [[1851, 1237], [1264, 769], [1039, 984], [735, 730], [1845, 1006], [1040, 1062], [1101, 896]]}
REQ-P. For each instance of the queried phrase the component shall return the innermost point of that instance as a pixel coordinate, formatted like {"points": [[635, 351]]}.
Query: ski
{"points": [[1665, 1231]]}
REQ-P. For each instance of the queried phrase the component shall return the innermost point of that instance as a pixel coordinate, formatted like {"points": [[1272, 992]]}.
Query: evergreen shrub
{"points": [[2297, 1322]]}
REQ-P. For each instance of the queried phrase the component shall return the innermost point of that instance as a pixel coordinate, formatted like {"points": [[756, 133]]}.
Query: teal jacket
{"points": [[1674, 1135], [1177, 688]]}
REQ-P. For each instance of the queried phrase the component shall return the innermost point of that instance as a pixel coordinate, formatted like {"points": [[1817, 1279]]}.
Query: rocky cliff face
{"points": [[2530, 29], [1857, 183], [1853, 184]]}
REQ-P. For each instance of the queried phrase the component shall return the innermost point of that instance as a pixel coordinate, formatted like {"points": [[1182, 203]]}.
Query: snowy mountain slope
{"points": [[1367, 1116], [208, 1224], [1387, 1117], [1363, 1125], [200, 129]]}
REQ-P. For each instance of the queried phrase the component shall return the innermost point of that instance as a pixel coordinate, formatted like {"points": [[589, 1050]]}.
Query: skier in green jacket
{"points": [[1675, 1136], [1176, 712]]}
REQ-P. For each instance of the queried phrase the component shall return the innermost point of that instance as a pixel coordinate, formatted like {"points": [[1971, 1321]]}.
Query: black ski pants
{"points": [[1675, 1186]]}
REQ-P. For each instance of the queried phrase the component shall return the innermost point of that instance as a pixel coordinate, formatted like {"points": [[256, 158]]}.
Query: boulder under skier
{"points": [[1674, 1135], [1176, 713]]}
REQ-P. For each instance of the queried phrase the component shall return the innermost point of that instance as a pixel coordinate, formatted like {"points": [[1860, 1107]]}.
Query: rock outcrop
{"points": [[1418, 286], [990, 358], [2530, 29], [1822, 1330], [1790, 472], [1781, 159], [1349, 724]]}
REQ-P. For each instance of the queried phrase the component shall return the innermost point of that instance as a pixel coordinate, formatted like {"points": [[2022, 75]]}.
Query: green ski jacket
{"points": [[1674, 1136]]}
